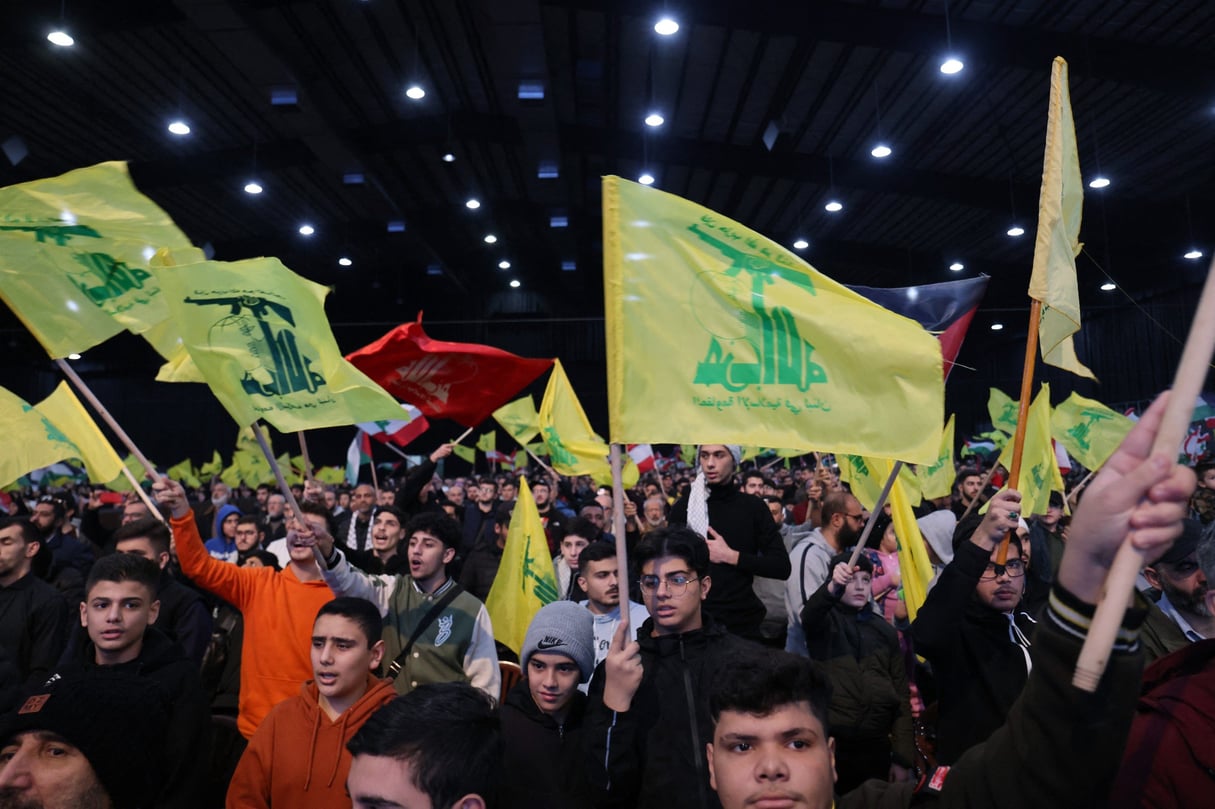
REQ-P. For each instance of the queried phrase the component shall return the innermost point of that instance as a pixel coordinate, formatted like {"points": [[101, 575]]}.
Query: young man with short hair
{"points": [[480, 567], [298, 755], [33, 615], [383, 554], [456, 643], [598, 576], [575, 536], [248, 536], [1059, 746], [542, 716], [439, 747], [118, 611], [647, 716], [276, 606]]}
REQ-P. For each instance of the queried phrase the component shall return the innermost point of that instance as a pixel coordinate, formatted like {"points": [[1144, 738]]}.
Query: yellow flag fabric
{"points": [[1088, 430], [258, 334], [1003, 411], [914, 565], [65, 411], [520, 419], [253, 466], [231, 475], [573, 447], [331, 475], [1060, 204], [34, 442], [526, 580], [184, 474], [936, 479], [75, 254], [861, 475], [717, 334], [290, 474], [1039, 467], [467, 453], [488, 442], [211, 468]]}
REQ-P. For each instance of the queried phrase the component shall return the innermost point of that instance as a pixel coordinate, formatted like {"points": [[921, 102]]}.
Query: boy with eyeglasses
{"points": [[973, 634], [648, 713]]}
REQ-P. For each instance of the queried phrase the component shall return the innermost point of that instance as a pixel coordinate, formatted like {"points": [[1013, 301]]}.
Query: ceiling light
{"points": [[548, 170], [558, 221], [1099, 182], [179, 128], [1016, 230], [514, 284], [957, 266], [531, 91], [434, 269], [61, 38], [569, 266], [646, 179], [472, 203], [353, 178], [833, 206], [880, 151], [1108, 286], [1194, 255], [801, 244], [504, 265], [73, 356], [396, 225], [666, 26], [345, 262], [997, 326], [490, 238], [415, 92], [951, 66], [253, 187], [448, 157], [307, 230], [654, 119]]}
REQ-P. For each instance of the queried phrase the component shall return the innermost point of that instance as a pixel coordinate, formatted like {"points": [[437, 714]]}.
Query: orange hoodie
{"points": [[298, 756], [279, 611]]}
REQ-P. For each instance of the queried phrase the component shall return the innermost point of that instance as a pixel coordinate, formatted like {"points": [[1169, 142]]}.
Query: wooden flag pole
{"points": [[304, 452], [463, 435], [1120, 583], [278, 472], [1079, 488], [543, 465], [982, 488], [873, 515], [147, 501], [375, 479], [616, 458], [1027, 388], [75, 379]]}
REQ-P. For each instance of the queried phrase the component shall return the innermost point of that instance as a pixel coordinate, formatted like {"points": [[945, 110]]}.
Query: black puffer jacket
{"points": [[543, 762], [653, 755]]}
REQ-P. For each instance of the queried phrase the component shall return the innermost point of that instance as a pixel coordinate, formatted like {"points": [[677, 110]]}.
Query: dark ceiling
{"points": [[826, 78]]}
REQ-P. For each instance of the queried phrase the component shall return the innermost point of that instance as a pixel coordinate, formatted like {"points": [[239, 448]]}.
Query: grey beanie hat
{"points": [[564, 628]]}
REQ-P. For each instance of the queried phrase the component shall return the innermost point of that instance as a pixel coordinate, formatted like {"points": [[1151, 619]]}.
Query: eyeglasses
{"points": [[677, 583], [1015, 569], [857, 517]]}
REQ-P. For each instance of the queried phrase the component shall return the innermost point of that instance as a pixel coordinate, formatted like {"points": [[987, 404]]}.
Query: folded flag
{"points": [[573, 447], [464, 382], [1003, 411], [936, 479], [1039, 469]]}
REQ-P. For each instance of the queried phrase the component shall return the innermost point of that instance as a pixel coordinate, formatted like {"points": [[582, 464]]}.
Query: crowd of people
{"points": [[221, 648]]}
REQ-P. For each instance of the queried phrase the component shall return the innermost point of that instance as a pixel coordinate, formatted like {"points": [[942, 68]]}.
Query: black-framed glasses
{"points": [[677, 583], [1015, 569]]}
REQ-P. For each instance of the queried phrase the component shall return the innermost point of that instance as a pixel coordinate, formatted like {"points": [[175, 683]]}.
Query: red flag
{"points": [[643, 456], [464, 382]]}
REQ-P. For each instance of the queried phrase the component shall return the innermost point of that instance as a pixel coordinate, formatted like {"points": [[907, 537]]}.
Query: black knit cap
{"points": [[118, 722]]}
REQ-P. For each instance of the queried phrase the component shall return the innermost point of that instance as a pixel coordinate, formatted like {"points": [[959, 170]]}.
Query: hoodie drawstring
{"points": [[337, 757], [316, 729], [1016, 636]]}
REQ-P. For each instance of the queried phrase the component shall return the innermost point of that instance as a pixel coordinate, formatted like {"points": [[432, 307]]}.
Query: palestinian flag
{"points": [[358, 454]]}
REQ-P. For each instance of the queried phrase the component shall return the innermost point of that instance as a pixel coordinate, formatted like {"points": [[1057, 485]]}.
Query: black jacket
{"points": [[184, 618], [162, 662], [744, 522], [33, 626], [543, 763], [861, 655], [979, 666], [477, 575], [653, 755]]}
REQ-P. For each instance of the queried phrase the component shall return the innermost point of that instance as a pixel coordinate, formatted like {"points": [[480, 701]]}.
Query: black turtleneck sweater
{"points": [[744, 522]]}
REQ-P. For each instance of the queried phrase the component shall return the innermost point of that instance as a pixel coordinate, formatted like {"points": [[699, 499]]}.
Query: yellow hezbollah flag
{"points": [[258, 334], [211, 468], [467, 453], [1039, 467], [34, 442], [519, 418], [862, 478], [573, 447], [715, 333], [1003, 411], [914, 565], [1088, 430], [184, 474], [64, 410], [75, 253], [936, 479], [330, 475], [1053, 281], [488, 442], [526, 580]]}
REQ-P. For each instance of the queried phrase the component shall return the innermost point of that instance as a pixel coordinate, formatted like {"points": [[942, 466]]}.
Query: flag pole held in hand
{"points": [[873, 515], [75, 379]]}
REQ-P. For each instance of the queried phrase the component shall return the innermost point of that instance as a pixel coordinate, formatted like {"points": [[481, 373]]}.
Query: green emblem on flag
{"points": [[542, 587]]}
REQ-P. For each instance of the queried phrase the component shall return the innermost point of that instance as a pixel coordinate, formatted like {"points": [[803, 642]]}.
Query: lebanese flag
{"points": [[643, 456], [944, 309], [398, 431], [464, 382], [494, 456], [358, 454], [1061, 457]]}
